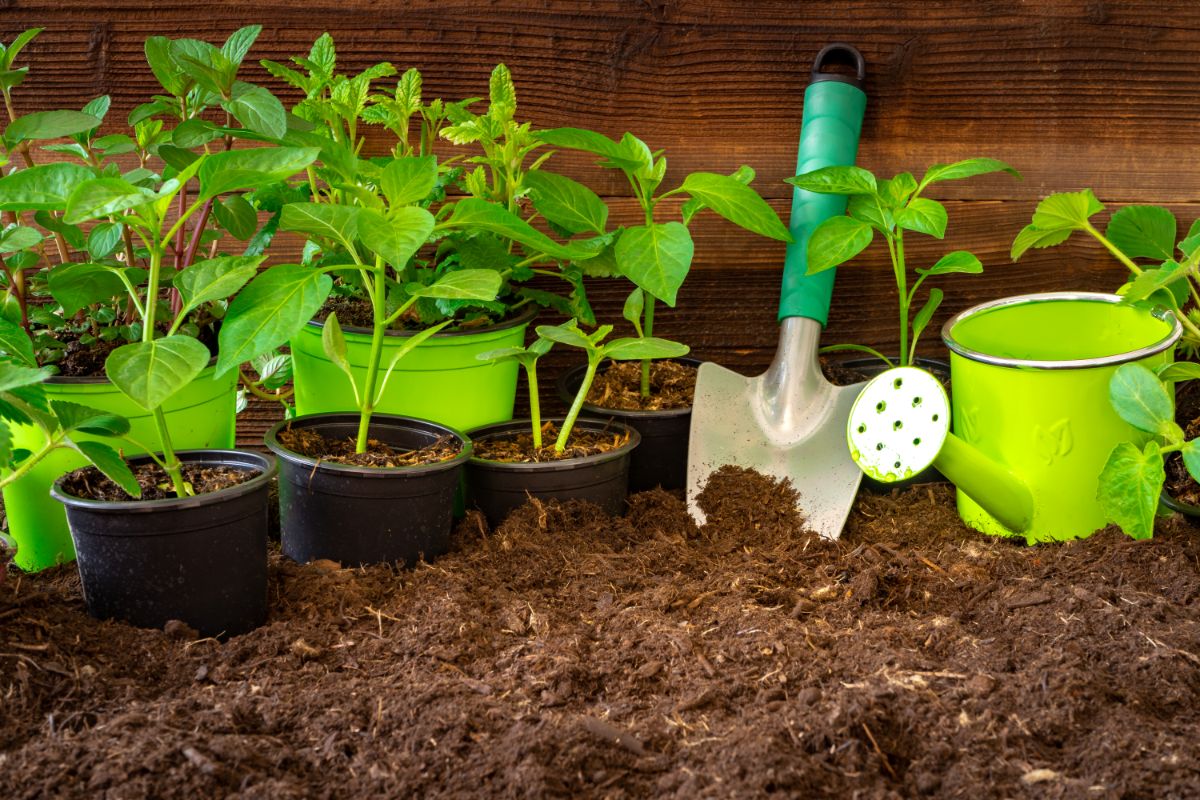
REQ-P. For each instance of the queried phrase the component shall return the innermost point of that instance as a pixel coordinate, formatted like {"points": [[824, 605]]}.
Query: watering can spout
{"points": [[994, 487]]}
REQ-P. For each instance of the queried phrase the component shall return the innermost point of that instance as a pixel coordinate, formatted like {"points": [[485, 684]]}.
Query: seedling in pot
{"points": [[1168, 273], [527, 357], [889, 208]]}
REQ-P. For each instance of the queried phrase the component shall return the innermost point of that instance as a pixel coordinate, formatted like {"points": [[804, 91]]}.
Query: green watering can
{"points": [[1033, 425]]}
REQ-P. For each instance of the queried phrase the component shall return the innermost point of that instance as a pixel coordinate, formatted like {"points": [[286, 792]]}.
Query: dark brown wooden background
{"points": [[1074, 94]]}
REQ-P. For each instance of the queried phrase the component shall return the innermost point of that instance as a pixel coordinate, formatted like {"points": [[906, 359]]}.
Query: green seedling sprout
{"points": [[527, 357], [889, 208]]}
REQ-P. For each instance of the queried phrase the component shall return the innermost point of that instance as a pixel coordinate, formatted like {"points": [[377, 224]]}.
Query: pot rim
{"points": [[94, 380], [269, 468], [351, 470], [635, 438], [1158, 312], [632, 413], [1178, 505], [520, 319]]}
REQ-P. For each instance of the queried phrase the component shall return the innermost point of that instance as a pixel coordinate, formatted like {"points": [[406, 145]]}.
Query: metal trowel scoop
{"points": [[791, 422]]}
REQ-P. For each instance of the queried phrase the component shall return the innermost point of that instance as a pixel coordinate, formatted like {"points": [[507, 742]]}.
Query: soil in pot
{"points": [[89, 483], [340, 450], [1181, 489], [672, 385], [518, 448]]}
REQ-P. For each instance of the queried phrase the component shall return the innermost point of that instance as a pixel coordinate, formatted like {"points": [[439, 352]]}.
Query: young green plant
{"points": [[527, 357], [890, 208]]}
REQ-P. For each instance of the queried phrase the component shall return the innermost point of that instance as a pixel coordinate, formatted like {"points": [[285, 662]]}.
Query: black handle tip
{"points": [[841, 52]]}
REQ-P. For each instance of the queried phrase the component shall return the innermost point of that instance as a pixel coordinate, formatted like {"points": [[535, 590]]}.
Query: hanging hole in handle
{"points": [[844, 55]]}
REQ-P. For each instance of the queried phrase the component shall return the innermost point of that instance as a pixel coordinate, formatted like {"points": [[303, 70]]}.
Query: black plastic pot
{"points": [[367, 515], [201, 560], [870, 367], [661, 459], [496, 488], [1187, 509]]}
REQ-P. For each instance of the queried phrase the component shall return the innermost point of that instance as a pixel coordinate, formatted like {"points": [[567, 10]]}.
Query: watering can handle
{"points": [[833, 113]]}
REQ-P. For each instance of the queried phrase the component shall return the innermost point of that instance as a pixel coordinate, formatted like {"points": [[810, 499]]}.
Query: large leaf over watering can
{"points": [[788, 422], [1033, 423]]}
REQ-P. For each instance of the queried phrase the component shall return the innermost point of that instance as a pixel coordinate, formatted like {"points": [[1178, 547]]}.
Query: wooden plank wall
{"points": [[1074, 94]]}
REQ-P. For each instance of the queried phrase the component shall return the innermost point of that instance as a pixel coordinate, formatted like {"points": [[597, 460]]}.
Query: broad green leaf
{"points": [[16, 376], [101, 197], [164, 66], [923, 216], [194, 133], [957, 261], [104, 238], [1129, 488], [965, 169], [9, 54], [258, 110], [1069, 210], [567, 333], [76, 417], [150, 373], [204, 63], [836, 241], [589, 142], [269, 311], [239, 43], [15, 343], [396, 237], [638, 349], [519, 354], [322, 220], [215, 278], [235, 214], [1140, 399], [334, 343], [49, 125], [895, 192], [42, 188], [921, 320], [108, 461], [463, 284], [567, 203], [868, 208], [1178, 371], [78, 285], [409, 180], [1191, 458], [639, 153], [1033, 236], [1143, 232], [253, 168], [836, 180], [737, 203], [1154, 278], [635, 304], [472, 213], [19, 237], [656, 258]]}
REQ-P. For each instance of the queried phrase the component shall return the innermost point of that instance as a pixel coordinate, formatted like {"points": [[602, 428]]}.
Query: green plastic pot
{"points": [[440, 380], [1033, 424], [200, 416]]}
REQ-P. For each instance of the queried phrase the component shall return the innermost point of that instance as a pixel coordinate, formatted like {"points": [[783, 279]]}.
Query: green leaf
{"points": [[409, 180], [98, 107], [635, 304], [19, 237], [76, 417], [590, 142], [957, 261], [9, 54], [15, 343], [474, 214], [737, 203], [150, 373], [253, 168], [870, 209], [239, 43], [269, 311], [164, 66], [518, 354], [205, 64], [108, 461], [463, 284], [1154, 278], [502, 95], [258, 110], [895, 192], [101, 197], [965, 169], [1033, 236], [656, 258], [15, 376], [643, 348], [923, 216], [1143, 232], [1140, 399], [836, 241], [567, 333], [235, 214], [194, 133], [78, 285], [333, 341], [215, 279], [567, 203], [397, 237], [1129, 488], [42, 188], [322, 220], [104, 238], [921, 320], [836, 180], [1178, 371], [1191, 458], [49, 125], [1067, 210]]}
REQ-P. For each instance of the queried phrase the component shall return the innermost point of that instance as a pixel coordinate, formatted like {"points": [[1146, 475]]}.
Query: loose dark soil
{"points": [[1180, 484], [91, 484], [87, 360], [519, 449], [341, 451], [356, 312], [672, 385], [568, 653]]}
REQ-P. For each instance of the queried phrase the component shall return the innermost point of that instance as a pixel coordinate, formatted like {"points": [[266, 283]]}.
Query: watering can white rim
{"points": [[1159, 312]]}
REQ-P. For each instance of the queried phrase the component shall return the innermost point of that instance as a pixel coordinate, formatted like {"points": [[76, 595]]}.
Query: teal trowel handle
{"points": [[833, 115]]}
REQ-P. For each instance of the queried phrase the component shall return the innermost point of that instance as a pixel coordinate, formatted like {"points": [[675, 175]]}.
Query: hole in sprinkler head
{"points": [[879, 446], [935, 417], [897, 465], [897, 425], [898, 383], [916, 402], [917, 441], [862, 428], [880, 407]]}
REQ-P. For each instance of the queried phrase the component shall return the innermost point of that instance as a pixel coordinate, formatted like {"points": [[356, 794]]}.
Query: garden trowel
{"points": [[791, 422]]}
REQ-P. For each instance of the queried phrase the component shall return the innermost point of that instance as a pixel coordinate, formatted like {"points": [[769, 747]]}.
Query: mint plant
{"points": [[1168, 273], [655, 256], [890, 208]]}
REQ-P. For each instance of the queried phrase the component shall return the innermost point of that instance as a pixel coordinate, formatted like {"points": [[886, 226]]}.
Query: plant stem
{"points": [[190, 256], [535, 405], [170, 461], [902, 286], [564, 434], [647, 330], [1112, 248], [378, 329], [32, 461]]}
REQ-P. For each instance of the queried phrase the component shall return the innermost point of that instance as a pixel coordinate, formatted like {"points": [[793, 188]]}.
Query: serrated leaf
{"points": [[49, 125], [463, 284], [258, 110], [632, 349], [1066, 210], [76, 417], [836, 180], [108, 461], [269, 311], [1129, 488], [502, 95], [15, 343], [16, 376], [409, 180], [737, 203], [965, 169], [923, 216], [78, 285], [323, 56], [215, 279], [656, 258], [150, 373], [239, 43], [42, 188], [1153, 279], [566, 203], [835, 241], [1140, 399], [1143, 232], [397, 237], [957, 261], [1033, 236]]}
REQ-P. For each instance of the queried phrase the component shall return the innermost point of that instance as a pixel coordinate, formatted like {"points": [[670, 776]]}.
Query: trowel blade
{"points": [[810, 450]]}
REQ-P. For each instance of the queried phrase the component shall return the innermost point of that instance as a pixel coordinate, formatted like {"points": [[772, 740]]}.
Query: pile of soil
{"points": [[520, 449], [672, 385], [571, 653], [312, 444], [90, 483]]}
